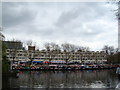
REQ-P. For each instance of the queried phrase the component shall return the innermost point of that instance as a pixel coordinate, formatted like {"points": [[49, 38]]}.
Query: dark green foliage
{"points": [[5, 61], [5, 66], [114, 58]]}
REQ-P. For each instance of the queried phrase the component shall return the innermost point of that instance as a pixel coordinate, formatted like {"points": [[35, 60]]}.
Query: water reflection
{"points": [[67, 79]]}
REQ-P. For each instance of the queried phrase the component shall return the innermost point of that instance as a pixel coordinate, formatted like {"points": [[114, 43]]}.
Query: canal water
{"points": [[63, 79]]}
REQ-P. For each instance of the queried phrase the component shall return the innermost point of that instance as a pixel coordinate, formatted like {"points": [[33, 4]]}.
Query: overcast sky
{"points": [[91, 24]]}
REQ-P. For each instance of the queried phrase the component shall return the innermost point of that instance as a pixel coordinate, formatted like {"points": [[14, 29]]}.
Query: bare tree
{"points": [[86, 49], [117, 14], [81, 48], [52, 50], [54, 46], [68, 48], [116, 50], [47, 46], [109, 50], [29, 43], [106, 49]]}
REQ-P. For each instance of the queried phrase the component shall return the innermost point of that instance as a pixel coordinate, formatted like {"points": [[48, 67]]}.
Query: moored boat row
{"points": [[64, 67]]}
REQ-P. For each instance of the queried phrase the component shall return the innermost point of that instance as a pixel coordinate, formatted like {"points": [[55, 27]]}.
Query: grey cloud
{"points": [[14, 14], [33, 23], [82, 12], [67, 17], [43, 33], [32, 30]]}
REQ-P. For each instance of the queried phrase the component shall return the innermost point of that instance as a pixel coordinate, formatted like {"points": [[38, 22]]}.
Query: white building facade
{"points": [[18, 55], [78, 56]]}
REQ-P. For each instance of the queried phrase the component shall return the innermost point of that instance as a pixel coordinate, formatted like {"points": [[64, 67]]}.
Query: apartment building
{"points": [[57, 55], [18, 55], [15, 51], [79, 56], [13, 45]]}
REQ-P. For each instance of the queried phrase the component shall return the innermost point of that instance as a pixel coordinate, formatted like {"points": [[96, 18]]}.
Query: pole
{"points": [[119, 26]]}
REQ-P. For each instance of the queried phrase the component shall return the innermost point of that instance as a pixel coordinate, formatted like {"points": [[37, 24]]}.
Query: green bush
{"points": [[114, 58], [5, 61]]}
